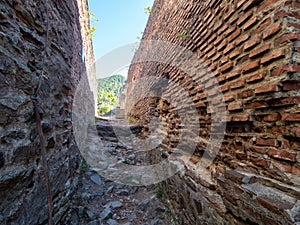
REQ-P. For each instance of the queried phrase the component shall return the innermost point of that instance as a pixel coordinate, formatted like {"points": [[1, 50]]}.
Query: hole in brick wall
{"points": [[198, 206], [37, 161], [30, 185], [2, 160]]}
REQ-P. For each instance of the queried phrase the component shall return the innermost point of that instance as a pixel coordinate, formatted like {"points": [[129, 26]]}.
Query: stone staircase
{"points": [[120, 114]]}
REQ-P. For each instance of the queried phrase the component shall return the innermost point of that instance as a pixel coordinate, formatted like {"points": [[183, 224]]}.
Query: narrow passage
{"points": [[98, 200]]}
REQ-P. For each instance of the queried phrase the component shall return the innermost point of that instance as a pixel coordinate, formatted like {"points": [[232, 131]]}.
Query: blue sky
{"points": [[120, 22]]}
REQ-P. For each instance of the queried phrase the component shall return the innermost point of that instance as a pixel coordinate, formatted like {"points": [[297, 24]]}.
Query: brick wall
{"points": [[252, 49]]}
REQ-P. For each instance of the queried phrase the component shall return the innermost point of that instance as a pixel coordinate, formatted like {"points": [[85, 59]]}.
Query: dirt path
{"points": [[98, 200]]}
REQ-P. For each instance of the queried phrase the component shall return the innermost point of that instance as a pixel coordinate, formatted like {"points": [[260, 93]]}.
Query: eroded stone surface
{"points": [[22, 37]]}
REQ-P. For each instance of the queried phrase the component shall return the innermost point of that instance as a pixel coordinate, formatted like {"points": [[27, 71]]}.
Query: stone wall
{"points": [[84, 18], [251, 48], [22, 34]]}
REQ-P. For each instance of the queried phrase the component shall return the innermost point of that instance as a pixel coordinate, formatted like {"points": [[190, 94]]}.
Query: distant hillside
{"points": [[108, 91]]}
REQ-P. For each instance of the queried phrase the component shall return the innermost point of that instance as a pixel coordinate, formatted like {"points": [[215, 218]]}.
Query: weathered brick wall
{"points": [[252, 48], [22, 38]]}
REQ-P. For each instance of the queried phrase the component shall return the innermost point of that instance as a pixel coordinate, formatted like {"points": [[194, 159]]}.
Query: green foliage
{"points": [[108, 92], [91, 31], [91, 16], [183, 34], [147, 10], [160, 192], [138, 40]]}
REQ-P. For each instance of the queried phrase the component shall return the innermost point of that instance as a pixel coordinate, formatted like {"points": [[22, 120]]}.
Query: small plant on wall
{"points": [[147, 10], [92, 18], [183, 35]]}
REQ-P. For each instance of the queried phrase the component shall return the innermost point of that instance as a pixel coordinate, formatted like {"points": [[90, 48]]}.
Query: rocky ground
{"points": [[98, 200]]}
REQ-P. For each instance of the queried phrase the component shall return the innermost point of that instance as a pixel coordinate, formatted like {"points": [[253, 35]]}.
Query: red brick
{"points": [[244, 17], [235, 53], [221, 79], [260, 50], [228, 98], [253, 42], [234, 176], [273, 205], [223, 28], [296, 131], [211, 53], [251, 66], [238, 191], [291, 117], [212, 18], [285, 144], [245, 94], [291, 85], [229, 48], [294, 14], [277, 71], [284, 101], [229, 14], [233, 19], [257, 105], [260, 162], [266, 88], [242, 39], [224, 88], [255, 77], [235, 106], [266, 4], [229, 31], [200, 105], [273, 30], [224, 185], [251, 3], [240, 3], [287, 38], [249, 23], [203, 46], [230, 198], [233, 74], [266, 142], [216, 57], [223, 60], [295, 170], [217, 26], [262, 26], [240, 118], [292, 3], [261, 150], [283, 155], [222, 45], [212, 38], [234, 35], [296, 25], [272, 117], [237, 84], [226, 67], [279, 15], [208, 49], [242, 58], [273, 56], [295, 145], [213, 67], [286, 168], [194, 160]]}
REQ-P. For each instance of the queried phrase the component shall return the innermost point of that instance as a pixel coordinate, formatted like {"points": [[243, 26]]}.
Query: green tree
{"points": [[108, 92]]}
